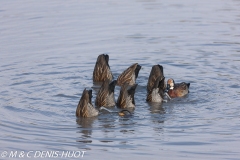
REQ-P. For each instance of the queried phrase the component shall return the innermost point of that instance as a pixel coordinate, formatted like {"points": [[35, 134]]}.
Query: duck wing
{"points": [[129, 75]]}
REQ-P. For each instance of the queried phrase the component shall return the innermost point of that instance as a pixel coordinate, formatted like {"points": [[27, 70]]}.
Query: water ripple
{"points": [[48, 52]]}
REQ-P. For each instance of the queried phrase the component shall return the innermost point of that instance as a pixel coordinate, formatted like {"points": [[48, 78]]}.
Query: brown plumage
{"points": [[157, 71], [126, 97], [85, 107], [129, 75], [156, 92], [177, 90], [105, 96], [102, 70]]}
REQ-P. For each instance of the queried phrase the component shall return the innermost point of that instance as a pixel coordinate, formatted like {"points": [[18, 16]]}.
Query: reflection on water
{"points": [[86, 126], [48, 52], [156, 108]]}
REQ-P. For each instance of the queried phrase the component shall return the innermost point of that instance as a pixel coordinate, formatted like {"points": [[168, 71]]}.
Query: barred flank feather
{"points": [[126, 97], [102, 70], [85, 107], [105, 96], [121, 102], [129, 75]]}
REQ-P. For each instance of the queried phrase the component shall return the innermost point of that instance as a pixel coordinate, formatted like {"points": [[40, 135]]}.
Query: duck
{"points": [[102, 69], [177, 89], [156, 93], [85, 107], [126, 97], [129, 75], [157, 71], [105, 95]]}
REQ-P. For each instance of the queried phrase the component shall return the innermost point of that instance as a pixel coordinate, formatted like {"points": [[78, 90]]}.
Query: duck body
{"points": [[102, 70], [85, 107], [155, 94], [157, 71], [129, 75], [105, 96], [156, 84], [177, 89], [126, 97]]}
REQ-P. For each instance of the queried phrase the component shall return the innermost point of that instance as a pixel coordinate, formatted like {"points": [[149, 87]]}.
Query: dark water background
{"points": [[48, 50]]}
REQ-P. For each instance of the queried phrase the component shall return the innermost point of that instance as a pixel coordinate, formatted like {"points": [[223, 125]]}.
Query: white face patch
{"points": [[171, 85]]}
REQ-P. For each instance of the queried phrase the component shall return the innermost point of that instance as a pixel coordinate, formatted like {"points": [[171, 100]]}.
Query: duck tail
{"points": [[137, 70], [112, 86], [106, 56], [161, 69], [131, 92], [90, 96], [188, 84]]}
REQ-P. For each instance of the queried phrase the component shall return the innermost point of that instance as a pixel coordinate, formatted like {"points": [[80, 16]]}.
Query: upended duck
{"points": [[102, 70], [177, 89], [129, 75], [105, 95], [157, 71], [126, 97], [85, 107], [156, 92]]}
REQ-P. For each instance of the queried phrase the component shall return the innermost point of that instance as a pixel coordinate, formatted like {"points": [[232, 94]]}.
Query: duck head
{"points": [[170, 84]]}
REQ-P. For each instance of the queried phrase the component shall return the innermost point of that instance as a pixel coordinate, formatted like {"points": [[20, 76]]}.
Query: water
{"points": [[48, 52]]}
